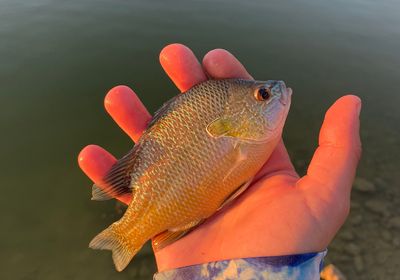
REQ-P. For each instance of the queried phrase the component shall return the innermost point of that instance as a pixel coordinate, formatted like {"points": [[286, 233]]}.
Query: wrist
{"points": [[300, 266], [194, 249]]}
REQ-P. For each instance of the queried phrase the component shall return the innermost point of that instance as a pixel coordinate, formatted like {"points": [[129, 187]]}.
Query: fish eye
{"points": [[263, 94]]}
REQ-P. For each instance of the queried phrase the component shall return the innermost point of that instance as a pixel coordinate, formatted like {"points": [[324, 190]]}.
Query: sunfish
{"points": [[199, 152]]}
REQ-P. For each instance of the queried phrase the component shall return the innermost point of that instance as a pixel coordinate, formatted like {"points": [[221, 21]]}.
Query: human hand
{"points": [[280, 213]]}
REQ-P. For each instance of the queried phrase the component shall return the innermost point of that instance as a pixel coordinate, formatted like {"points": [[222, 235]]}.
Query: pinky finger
{"points": [[95, 163]]}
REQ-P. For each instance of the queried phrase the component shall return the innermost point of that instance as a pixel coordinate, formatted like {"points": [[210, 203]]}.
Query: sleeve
{"points": [[302, 266]]}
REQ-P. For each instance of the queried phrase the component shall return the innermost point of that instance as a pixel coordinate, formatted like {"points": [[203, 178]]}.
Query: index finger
{"points": [[221, 64], [182, 66]]}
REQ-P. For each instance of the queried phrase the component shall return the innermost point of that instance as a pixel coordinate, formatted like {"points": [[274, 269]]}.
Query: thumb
{"points": [[333, 166]]}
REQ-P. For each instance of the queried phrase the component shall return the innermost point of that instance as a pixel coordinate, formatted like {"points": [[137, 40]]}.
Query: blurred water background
{"points": [[58, 59]]}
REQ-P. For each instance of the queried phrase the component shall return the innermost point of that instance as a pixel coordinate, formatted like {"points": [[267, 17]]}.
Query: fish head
{"points": [[258, 109]]}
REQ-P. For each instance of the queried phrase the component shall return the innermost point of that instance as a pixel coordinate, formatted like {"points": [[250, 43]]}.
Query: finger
{"points": [[127, 110], [182, 66], [95, 162], [278, 163], [221, 64], [333, 166]]}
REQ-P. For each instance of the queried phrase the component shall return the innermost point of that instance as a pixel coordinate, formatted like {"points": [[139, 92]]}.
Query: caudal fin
{"points": [[122, 249]]}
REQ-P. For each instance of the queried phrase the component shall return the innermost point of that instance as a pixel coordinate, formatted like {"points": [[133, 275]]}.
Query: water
{"points": [[58, 59]]}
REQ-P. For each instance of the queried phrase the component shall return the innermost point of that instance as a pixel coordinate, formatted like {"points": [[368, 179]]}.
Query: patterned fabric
{"points": [[302, 266]]}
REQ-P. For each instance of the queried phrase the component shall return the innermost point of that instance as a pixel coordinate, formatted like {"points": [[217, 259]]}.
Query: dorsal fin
{"points": [[117, 181], [162, 111], [99, 194]]}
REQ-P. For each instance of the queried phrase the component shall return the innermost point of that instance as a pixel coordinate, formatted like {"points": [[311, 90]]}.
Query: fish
{"points": [[199, 152]]}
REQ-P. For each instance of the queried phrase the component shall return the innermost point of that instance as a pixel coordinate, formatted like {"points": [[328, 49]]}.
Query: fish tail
{"points": [[122, 246]]}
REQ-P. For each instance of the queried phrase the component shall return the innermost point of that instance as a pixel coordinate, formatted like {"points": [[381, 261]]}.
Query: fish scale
{"points": [[197, 151]]}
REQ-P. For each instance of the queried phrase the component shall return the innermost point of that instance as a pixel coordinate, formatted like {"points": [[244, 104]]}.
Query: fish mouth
{"points": [[284, 92], [285, 96]]}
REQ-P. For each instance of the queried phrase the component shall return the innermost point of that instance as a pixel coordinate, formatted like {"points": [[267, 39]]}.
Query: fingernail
{"points": [[359, 105]]}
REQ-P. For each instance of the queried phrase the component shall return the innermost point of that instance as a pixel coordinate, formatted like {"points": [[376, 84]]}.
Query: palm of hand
{"points": [[280, 213]]}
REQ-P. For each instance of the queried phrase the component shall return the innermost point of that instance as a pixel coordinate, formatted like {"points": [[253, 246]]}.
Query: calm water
{"points": [[58, 59]]}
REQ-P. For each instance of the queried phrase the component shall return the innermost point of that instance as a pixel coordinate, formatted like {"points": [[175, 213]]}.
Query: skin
{"points": [[280, 213]]}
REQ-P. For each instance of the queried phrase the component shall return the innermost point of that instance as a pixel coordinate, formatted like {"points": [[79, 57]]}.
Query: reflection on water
{"points": [[58, 58]]}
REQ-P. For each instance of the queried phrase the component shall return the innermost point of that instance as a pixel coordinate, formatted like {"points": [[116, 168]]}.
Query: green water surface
{"points": [[59, 58]]}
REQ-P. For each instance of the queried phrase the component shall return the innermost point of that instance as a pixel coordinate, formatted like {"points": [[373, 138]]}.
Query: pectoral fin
{"points": [[220, 127]]}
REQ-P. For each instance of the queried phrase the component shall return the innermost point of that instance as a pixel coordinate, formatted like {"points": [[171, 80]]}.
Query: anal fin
{"points": [[235, 194], [166, 238], [170, 236], [186, 226]]}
